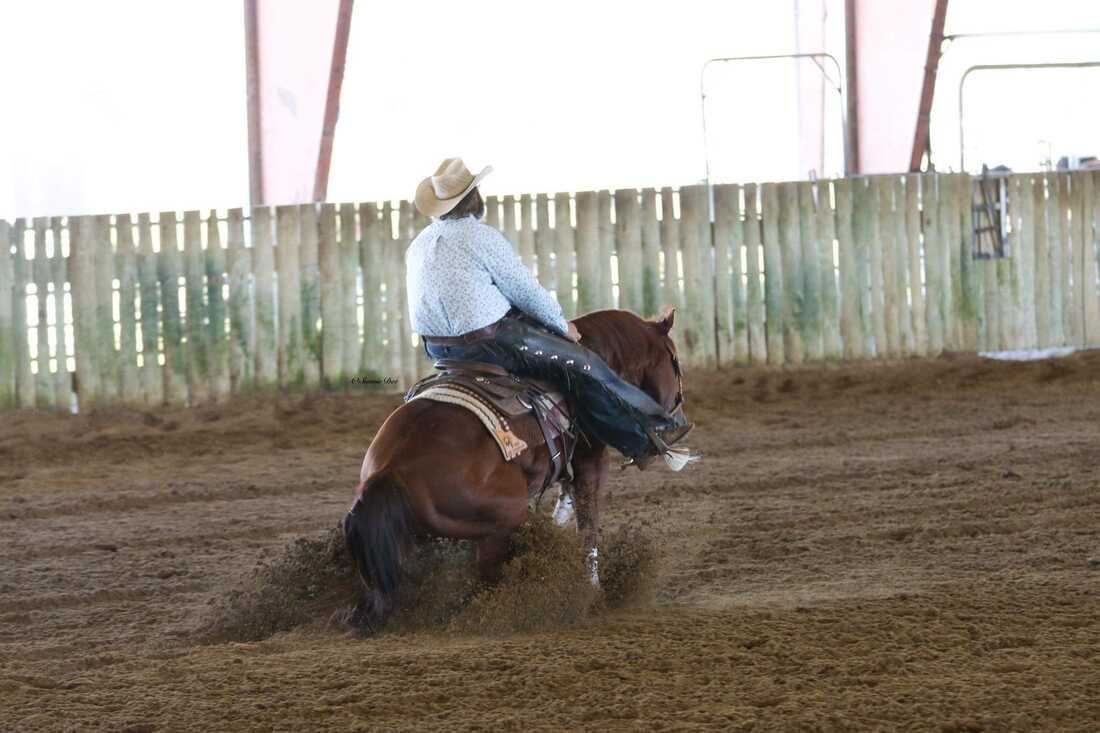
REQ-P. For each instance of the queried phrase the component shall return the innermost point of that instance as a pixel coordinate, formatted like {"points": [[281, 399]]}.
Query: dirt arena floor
{"points": [[893, 547]]}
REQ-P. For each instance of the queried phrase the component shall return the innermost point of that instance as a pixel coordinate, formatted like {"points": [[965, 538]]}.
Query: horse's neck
{"points": [[609, 344]]}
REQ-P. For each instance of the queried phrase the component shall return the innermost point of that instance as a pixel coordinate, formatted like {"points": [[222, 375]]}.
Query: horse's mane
{"points": [[622, 339]]}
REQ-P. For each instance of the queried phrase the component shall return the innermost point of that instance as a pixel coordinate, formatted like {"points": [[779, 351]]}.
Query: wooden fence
{"points": [[182, 309]]}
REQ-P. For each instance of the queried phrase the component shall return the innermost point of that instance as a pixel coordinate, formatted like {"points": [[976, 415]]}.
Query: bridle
{"points": [[678, 405]]}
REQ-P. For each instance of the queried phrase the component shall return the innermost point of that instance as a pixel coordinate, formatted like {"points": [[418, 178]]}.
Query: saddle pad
{"points": [[511, 445]]}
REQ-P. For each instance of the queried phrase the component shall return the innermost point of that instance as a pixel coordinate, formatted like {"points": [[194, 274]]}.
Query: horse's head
{"points": [[663, 379]]}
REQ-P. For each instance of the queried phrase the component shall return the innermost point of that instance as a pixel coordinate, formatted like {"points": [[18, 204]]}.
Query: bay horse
{"points": [[433, 469]]}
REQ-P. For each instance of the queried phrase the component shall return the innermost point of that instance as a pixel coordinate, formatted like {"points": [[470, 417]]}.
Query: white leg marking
{"points": [[563, 510], [593, 564]]}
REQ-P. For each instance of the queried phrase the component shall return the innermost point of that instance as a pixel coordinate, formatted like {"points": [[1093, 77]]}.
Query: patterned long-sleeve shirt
{"points": [[463, 274]]}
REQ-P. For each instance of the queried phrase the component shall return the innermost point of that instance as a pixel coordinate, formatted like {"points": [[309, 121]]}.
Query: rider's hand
{"points": [[573, 335]]}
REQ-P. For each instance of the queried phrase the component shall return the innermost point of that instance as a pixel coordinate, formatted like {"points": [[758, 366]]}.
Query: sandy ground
{"points": [[880, 547]]}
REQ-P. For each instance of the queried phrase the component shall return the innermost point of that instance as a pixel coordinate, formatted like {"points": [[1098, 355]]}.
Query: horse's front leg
{"points": [[590, 474]]}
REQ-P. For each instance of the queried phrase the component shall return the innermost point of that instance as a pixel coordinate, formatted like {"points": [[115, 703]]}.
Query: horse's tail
{"points": [[379, 532]]}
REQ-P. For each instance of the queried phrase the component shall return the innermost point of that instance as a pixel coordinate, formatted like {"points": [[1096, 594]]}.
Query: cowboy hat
{"points": [[437, 194]]}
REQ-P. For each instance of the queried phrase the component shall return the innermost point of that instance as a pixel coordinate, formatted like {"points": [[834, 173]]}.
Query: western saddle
{"points": [[535, 410]]}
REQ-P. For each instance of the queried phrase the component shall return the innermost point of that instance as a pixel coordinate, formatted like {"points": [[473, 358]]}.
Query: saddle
{"points": [[519, 412]]}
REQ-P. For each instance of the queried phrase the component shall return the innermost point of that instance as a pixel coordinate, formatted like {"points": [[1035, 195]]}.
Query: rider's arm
{"points": [[518, 285]]}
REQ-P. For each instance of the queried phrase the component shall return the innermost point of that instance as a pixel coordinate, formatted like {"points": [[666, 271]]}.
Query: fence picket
{"points": [[729, 290], [372, 360], [43, 382], [628, 249], [810, 315], [9, 326], [309, 257], [59, 273], [1091, 275], [754, 298], [128, 293], [331, 300], [263, 264], [544, 243], [608, 275], [830, 301], [349, 289], [198, 371], [773, 275], [526, 232], [651, 248], [588, 252], [242, 358], [670, 248], [900, 271], [1021, 246], [564, 254]]}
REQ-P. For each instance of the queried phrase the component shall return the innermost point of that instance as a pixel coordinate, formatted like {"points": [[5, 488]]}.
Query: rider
{"points": [[471, 298]]}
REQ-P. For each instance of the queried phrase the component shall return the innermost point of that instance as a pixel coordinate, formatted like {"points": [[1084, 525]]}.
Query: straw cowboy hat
{"points": [[439, 193]]}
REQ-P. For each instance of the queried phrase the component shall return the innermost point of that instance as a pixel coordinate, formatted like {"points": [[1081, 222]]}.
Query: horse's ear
{"points": [[664, 321]]}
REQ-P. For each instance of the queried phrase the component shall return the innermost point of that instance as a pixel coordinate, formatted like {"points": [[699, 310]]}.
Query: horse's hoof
{"points": [[564, 512]]}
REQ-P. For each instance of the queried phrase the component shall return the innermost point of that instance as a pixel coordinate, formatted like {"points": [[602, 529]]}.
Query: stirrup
{"points": [[674, 435]]}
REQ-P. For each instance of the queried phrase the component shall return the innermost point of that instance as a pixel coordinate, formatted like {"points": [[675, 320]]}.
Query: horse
{"points": [[433, 469]]}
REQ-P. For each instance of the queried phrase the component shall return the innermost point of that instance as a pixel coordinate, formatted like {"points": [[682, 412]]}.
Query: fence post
{"points": [[1043, 317]]}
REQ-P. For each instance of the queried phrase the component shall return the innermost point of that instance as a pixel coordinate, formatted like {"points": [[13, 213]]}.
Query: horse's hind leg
{"points": [[491, 554]]}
